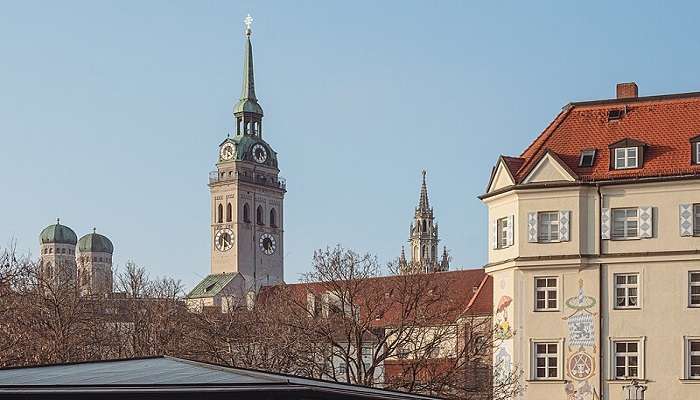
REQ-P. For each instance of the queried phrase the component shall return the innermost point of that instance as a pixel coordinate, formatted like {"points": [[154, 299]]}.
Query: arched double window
{"points": [[228, 212], [220, 213], [273, 218], [259, 216], [246, 213]]}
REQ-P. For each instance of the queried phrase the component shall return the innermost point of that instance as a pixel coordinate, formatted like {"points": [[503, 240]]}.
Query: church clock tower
{"points": [[247, 195]]}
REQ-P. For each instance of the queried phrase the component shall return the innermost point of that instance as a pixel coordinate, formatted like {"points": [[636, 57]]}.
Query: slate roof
{"points": [[666, 124], [211, 285], [168, 374]]}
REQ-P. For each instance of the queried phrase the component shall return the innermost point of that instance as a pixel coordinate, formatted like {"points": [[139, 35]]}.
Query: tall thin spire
{"points": [[248, 103], [423, 204], [248, 91]]}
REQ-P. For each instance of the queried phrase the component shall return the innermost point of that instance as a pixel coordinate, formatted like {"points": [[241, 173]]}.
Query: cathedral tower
{"points": [[247, 194], [95, 264], [423, 239], [57, 248]]}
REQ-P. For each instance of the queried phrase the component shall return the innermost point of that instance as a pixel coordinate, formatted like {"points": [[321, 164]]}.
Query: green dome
{"points": [[96, 243], [247, 106], [58, 233]]}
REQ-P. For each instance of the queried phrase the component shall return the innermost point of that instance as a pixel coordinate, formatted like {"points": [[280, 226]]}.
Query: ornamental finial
{"points": [[248, 21]]}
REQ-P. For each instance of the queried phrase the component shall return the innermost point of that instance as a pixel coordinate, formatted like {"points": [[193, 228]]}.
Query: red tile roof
{"points": [[463, 292], [665, 123]]}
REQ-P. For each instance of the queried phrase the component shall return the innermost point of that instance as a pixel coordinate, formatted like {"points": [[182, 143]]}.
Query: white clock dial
{"points": [[259, 153], [267, 244], [223, 241], [227, 151]]}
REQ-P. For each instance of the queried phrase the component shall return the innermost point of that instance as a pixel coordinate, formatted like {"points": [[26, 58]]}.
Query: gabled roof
{"points": [[665, 124], [211, 285], [463, 292], [159, 376]]}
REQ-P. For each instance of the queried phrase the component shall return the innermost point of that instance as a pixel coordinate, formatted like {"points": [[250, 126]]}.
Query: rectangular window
{"points": [[626, 157], [696, 150], [546, 294], [694, 289], [626, 290], [693, 359], [626, 364], [587, 158], [546, 360], [502, 226], [625, 223], [548, 226], [696, 219]]}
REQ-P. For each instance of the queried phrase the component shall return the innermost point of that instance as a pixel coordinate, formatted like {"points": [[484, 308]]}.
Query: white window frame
{"points": [[696, 217], [551, 227], [696, 149], [547, 290], [559, 356], [625, 155], [502, 235], [687, 354], [626, 221], [587, 153], [691, 285], [627, 287], [640, 340]]}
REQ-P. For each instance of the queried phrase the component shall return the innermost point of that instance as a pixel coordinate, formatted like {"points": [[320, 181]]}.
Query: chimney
{"points": [[627, 90]]}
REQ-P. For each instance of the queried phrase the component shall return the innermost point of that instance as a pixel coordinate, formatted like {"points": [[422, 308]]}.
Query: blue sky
{"points": [[111, 113]]}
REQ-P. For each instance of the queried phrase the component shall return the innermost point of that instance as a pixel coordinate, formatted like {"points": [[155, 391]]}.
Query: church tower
{"points": [[247, 194], [57, 248], [423, 239]]}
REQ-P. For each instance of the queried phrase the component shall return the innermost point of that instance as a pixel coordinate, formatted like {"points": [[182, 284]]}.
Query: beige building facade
{"points": [[595, 251]]}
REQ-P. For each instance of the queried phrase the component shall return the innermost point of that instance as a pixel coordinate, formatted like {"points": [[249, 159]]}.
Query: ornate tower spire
{"points": [[423, 203], [247, 111], [424, 234]]}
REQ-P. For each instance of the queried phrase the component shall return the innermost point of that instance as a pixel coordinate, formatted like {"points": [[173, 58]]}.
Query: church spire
{"points": [[247, 111]]}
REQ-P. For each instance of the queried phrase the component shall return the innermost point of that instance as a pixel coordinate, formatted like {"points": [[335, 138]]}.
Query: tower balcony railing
{"points": [[259, 179]]}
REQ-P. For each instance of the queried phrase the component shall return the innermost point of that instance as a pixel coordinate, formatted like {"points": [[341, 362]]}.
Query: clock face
{"points": [[226, 152], [223, 240], [259, 153], [267, 244]]}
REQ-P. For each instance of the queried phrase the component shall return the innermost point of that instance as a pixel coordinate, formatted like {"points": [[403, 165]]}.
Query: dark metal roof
{"points": [[163, 376]]}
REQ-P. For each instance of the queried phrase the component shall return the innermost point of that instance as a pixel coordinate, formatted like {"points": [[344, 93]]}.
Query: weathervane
{"points": [[248, 21]]}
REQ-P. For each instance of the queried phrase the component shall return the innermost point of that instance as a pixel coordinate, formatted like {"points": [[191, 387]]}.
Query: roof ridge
{"points": [[549, 131], [61, 364]]}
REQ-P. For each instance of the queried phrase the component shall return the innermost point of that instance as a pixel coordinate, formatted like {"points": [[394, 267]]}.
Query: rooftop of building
{"points": [[663, 125]]}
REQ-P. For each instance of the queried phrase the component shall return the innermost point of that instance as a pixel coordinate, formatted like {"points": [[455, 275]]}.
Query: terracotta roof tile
{"points": [[665, 123]]}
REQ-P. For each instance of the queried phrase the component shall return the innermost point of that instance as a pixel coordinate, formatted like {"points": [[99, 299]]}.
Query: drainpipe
{"points": [[601, 369]]}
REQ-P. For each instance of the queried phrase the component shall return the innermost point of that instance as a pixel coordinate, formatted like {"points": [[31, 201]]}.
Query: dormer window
{"points": [[627, 154], [614, 115], [587, 158], [695, 150], [626, 157]]}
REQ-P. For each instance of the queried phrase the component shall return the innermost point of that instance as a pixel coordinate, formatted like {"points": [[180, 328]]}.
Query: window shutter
{"points": [[605, 224], [686, 219], [509, 231], [564, 219], [646, 224], [532, 227], [494, 235]]}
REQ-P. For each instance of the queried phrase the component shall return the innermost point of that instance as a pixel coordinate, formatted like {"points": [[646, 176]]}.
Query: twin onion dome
{"points": [[61, 234]]}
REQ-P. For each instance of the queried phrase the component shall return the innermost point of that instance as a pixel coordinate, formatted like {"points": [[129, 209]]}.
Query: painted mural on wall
{"points": [[581, 361], [503, 332]]}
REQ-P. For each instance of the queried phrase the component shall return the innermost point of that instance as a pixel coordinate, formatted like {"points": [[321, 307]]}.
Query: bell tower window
{"points": [[220, 213], [273, 218], [246, 213], [228, 212], [259, 216]]}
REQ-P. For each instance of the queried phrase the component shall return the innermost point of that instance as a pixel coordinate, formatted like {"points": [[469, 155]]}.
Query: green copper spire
{"points": [[248, 103]]}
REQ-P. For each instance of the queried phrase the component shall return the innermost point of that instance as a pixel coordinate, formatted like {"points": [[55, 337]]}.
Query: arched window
{"points": [[228, 212], [259, 216], [246, 213], [425, 226], [220, 213], [273, 218]]}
